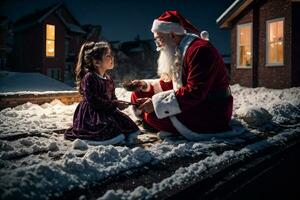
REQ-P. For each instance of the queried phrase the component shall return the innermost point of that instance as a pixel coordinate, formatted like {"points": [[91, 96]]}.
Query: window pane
{"points": [[272, 32], [279, 30], [245, 43], [50, 32], [245, 35], [272, 53], [245, 55], [50, 45], [275, 42], [280, 52]]}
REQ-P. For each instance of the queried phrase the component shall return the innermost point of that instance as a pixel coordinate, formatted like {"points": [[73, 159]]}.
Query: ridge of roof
{"points": [[232, 11]]}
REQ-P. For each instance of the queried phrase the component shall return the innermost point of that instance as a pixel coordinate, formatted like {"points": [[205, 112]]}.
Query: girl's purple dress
{"points": [[97, 116]]}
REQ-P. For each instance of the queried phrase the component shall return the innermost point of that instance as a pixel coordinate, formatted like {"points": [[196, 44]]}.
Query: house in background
{"points": [[47, 41], [93, 32], [265, 42], [141, 52], [6, 38]]}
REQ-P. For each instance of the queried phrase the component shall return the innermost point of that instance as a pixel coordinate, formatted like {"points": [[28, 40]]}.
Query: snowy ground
{"points": [[36, 163]]}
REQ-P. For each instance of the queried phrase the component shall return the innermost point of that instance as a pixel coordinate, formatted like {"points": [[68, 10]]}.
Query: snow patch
{"points": [[253, 115]]}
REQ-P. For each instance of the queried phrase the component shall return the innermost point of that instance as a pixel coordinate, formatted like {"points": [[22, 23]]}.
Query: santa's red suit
{"points": [[198, 100]]}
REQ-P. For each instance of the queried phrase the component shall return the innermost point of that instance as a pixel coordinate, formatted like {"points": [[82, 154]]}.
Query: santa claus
{"points": [[192, 97]]}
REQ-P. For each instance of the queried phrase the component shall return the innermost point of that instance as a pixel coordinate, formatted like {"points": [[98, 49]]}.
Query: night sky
{"points": [[123, 20]]}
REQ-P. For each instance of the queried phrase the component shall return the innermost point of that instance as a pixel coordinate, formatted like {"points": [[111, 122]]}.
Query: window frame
{"points": [[267, 63], [46, 40], [239, 26]]}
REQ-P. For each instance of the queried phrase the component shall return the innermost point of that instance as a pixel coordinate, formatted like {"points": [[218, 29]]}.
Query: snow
{"points": [[30, 83], [283, 105], [39, 164], [35, 119], [205, 167]]}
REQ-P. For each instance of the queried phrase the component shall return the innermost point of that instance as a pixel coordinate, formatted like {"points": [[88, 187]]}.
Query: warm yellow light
{"points": [[50, 40], [50, 32], [275, 42], [245, 39]]}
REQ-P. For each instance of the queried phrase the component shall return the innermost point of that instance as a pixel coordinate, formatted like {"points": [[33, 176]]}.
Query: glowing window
{"points": [[50, 40], [275, 39], [244, 46]]}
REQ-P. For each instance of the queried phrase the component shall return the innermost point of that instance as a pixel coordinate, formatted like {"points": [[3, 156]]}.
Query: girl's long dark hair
{"points": [[89, 51]]}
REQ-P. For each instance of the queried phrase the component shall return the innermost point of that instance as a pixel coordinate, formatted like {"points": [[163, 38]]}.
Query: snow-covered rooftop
{"points": [[232, 11], [17, 82]]}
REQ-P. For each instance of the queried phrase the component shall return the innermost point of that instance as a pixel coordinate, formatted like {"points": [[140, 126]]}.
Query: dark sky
{"points": [[124, 19]]}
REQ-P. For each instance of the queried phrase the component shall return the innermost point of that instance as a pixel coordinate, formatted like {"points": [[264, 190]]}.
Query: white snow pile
{"points": [[30, 83], [201, 169], [41, 163], [254, 115], [41, 176], [258, 106], [34, 119]]}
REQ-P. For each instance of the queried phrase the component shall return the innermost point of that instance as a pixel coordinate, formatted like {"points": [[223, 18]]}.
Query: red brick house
{"points": [[47, 41], [265, 42]]}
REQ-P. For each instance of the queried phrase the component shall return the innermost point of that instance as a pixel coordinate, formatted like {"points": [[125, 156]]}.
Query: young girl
{"points": [[97, 117]]}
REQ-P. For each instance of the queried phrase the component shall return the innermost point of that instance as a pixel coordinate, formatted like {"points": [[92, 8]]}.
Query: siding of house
{"points": [[269, 76], [60, 31], [275, 76], [295, 41], [241, 76], [28, 52]]}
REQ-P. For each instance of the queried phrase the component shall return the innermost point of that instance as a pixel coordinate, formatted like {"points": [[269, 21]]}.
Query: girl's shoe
{"points": [[129, 140]]}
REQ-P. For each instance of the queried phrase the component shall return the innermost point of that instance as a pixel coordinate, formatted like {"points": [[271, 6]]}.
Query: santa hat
{"points": [[173, 22]]}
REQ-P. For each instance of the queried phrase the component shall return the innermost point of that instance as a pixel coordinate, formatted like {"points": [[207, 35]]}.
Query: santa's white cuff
{"points": [[165, 104]]}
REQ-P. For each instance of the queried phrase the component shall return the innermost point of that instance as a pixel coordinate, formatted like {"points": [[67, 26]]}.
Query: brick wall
{"points": [[275, 76], [58, 61], [18, 99], [295, 44], [238, 75]]}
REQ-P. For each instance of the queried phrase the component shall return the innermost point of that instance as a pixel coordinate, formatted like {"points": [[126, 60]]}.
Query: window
{"points": [[54, 73], [275, 38], [244, 46], [50, 40]]}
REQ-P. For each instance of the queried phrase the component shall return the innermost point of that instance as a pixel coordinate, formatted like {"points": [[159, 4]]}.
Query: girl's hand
{"points": [[146, 105]]}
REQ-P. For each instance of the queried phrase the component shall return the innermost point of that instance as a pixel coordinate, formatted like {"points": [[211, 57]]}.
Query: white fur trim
{"points": [[185, 43], [193, 136], [165, 104], [177, 71], [167, 27]]}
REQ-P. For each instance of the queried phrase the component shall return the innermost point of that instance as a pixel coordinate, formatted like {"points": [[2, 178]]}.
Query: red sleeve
{"points": [[201, 72]]}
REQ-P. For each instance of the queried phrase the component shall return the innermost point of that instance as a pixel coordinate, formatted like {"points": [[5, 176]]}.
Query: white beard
{"points": [[166, 61]]}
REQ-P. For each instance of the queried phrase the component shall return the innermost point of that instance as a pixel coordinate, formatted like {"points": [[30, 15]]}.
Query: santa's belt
{"points": [[219, 94]]}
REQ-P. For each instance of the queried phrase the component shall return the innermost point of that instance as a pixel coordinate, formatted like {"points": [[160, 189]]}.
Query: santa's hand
{"points": [[142, 85], [147, 105]]}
